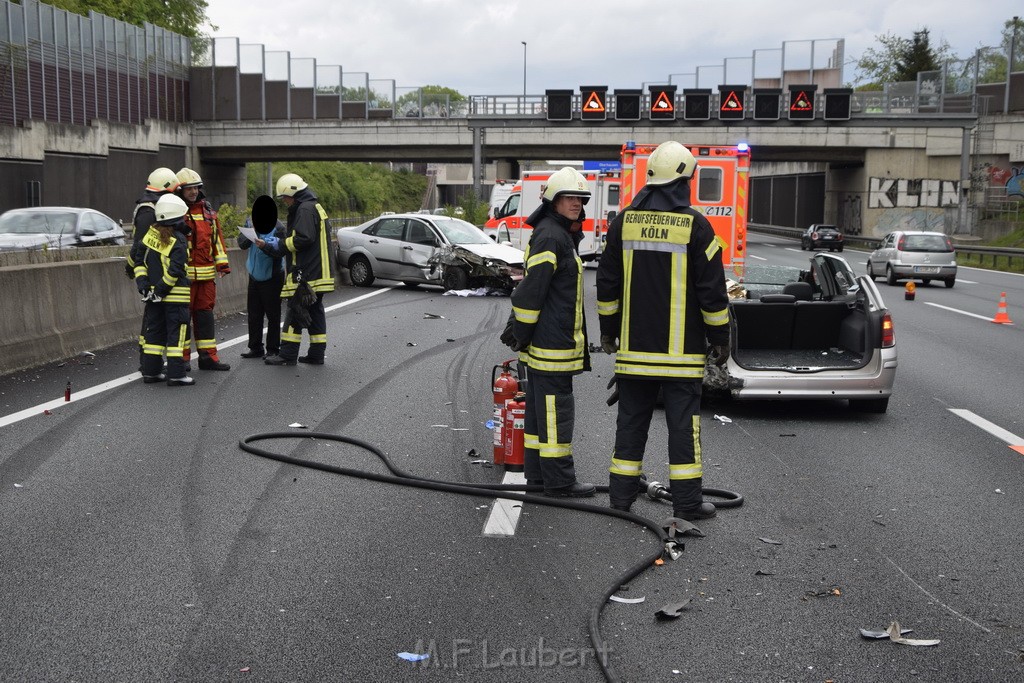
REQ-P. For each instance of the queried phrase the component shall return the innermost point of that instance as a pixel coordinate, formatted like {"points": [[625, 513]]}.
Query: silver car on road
{"points": [[423, 248], [914, 255]]}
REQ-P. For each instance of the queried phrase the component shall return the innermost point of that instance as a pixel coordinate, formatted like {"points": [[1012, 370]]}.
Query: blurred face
{"points": [[288, 201], [568, 206], [190, 194]]}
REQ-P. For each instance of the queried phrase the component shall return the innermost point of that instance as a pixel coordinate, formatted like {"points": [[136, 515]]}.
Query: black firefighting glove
{"points": [[718, 355], [509, 339], [608, 344]]}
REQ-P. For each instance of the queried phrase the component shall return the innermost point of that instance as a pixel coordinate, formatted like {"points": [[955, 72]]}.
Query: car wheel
{"points": [[360, 271], [455, 278], [871, 271], [950, 282], [890, 276], [830, 250], [803, 247], [870, 405], [925, 282], [839, 249]]}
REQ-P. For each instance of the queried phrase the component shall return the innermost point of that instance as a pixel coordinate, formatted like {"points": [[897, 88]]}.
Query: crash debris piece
{"points": [[723, 419], [673, 610], [628, 601], [413, 657], [896, 635], [432, 316], [298, 425], [769, 541]]}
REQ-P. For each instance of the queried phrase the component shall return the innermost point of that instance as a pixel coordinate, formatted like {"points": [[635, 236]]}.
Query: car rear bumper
{"points": [[874, 380], [923, 271]]}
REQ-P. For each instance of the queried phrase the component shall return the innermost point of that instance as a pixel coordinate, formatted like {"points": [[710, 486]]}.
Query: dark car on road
{"points": [[820, 236]]}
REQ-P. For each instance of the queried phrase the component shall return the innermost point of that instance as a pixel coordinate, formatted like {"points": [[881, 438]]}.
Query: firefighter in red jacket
{"points": [[207, 260], [661, 300]]}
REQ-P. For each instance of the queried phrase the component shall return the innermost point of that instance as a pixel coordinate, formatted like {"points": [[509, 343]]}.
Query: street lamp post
{"points": [[524, 71]]}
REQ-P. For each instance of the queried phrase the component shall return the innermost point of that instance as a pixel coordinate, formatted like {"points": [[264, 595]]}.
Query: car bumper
{"points": [[924, 271], [874, 380]]}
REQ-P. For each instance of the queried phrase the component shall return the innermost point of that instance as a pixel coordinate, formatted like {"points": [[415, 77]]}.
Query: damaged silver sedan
{"points": [[418, 248]]}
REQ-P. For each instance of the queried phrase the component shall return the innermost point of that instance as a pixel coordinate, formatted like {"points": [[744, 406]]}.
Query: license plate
{"points": [[926, 269]]}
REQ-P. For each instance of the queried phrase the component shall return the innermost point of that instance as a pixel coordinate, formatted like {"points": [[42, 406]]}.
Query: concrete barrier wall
{"points": [[57, 310]]}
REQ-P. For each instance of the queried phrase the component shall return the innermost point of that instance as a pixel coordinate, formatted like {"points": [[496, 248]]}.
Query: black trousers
{"points": [[165, 330], [291, 337], [637, 398], [263, 301], [548, 426]]}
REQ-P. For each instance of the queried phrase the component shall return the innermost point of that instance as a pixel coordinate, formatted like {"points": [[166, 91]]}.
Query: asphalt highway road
{"points": [[139, 542]]}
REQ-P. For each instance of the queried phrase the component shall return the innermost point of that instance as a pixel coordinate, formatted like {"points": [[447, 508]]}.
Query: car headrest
{"points": [[778, 299], [801, 290]]}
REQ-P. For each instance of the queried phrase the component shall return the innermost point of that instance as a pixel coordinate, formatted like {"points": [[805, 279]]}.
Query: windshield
{"points": [[460, 232], [46, 222], [763, 274]]}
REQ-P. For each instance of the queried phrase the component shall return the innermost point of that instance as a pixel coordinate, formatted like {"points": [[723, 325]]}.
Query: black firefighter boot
{"points": [[208, 361]]}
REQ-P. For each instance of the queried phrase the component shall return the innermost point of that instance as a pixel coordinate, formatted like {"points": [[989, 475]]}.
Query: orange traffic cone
{"points": [[1001, 315]]}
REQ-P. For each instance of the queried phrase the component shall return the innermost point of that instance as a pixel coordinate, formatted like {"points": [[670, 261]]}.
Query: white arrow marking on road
{"points": [[505, 512], [1012, 440]]}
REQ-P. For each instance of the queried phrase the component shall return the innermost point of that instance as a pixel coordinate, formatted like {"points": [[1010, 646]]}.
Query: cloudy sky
{"points": [[475, 46]]}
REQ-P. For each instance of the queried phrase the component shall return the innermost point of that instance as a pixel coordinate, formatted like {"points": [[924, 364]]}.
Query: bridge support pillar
{"points": [[478, 161], [224, 184]]}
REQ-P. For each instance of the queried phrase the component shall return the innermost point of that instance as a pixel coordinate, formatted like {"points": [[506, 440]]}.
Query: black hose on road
{"points": [[524, 493]]}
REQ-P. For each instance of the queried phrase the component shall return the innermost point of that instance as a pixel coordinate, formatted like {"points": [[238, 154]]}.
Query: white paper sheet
{"points": [[249, 233]]}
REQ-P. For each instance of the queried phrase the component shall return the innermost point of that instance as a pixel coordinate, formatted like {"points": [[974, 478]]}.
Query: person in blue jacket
{"points": [[266, 278]]}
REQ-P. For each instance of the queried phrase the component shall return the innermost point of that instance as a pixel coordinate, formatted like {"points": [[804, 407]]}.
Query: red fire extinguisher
{"points": [[505, 387], [515, 428]]}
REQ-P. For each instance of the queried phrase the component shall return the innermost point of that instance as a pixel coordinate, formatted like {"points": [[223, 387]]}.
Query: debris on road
{"points": [[895, 634], [298, 425], [673, 610], [628, 601], [413, 657], [769, 541]]}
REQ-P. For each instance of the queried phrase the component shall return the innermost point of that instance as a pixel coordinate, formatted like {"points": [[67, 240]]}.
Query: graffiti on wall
{"points": [[904, 193], [914, 219], [850, 218]]}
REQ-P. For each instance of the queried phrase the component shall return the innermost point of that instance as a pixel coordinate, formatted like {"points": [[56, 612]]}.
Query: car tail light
{"points": [[899, 245], [888, 332], [814, 235], [949, 245]]}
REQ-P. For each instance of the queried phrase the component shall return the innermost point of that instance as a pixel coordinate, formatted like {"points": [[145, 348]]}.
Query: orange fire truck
{"points": [[718, 190], [509, 222]]}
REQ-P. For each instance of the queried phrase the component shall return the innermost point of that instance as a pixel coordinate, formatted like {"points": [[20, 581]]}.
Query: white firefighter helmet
{"points": [[569, 182], [289, 184], [170, 208], [189, 178], [670, 161], [162, 180]]}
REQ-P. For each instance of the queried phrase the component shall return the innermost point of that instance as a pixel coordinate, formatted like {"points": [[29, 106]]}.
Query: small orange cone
{"points": [[1001, 315]]}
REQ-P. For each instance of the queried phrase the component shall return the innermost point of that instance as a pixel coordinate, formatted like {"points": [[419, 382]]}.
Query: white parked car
{"points": [[56, 227], [422, 248]]}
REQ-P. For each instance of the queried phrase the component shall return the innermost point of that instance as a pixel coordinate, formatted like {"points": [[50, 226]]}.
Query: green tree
{"points": [[992, 62], [900, 59], [186, 17]]}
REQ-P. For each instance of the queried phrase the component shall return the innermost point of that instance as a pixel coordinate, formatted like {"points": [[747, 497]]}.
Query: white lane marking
{"points": [[957, 310], [1012, 440], [79, 394], [504, 515], [759, 258]]}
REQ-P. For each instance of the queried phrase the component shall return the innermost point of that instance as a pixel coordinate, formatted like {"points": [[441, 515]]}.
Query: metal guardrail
{"points": [[871, 243]]}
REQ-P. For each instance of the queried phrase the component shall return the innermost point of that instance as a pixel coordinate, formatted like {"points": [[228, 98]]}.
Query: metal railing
{"points": [[871, 243]]}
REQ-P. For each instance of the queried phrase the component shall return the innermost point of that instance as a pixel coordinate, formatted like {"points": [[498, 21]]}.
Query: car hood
{"points": [[499, 252]]}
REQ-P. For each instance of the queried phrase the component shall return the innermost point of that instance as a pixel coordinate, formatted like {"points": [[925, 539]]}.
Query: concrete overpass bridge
{"points": [[94, 105]]}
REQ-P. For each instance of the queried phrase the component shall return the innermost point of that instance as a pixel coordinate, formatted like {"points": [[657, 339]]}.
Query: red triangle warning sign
{"points": [[594, 102], [732, 102], [801, 103], [662, 103]]}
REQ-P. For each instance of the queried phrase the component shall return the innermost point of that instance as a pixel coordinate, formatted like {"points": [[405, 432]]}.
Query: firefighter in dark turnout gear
{"points": [[308, 261], [207, 260], [661, 299], [161, 181], [549, 331], [164, 287]]}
